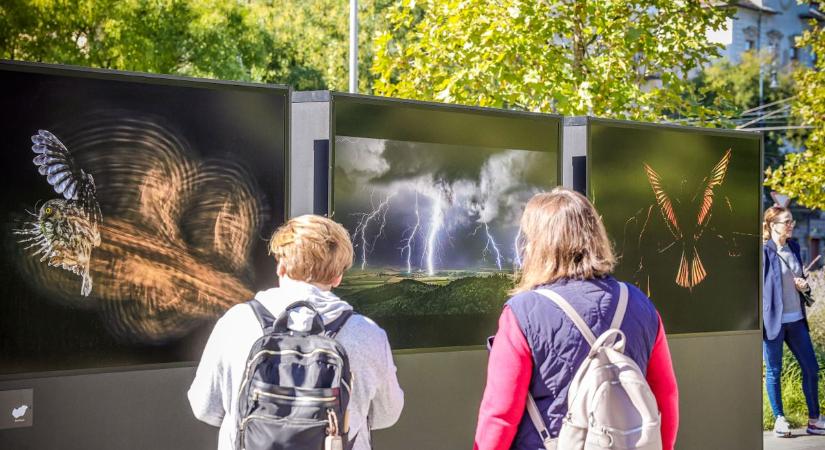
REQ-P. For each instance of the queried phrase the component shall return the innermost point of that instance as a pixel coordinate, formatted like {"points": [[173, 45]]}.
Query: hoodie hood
{"points": [[300, 319]]}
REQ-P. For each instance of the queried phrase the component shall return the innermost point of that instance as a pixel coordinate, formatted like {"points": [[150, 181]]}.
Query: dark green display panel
{"points": [[432, 196], [682, 208]]}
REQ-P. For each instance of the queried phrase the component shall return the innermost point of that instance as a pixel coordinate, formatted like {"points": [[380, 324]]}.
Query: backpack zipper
{"points": [[281, 352], [269, 419], [258, 393]]}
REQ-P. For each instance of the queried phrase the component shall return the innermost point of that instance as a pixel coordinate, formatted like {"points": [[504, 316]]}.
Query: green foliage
{"points": [[734, 87], [802, 176], [569, 57], [299, 42], [731, 88]]}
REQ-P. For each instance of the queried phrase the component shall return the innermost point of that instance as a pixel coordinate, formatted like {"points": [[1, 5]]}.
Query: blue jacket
{"points": [[558, 348], [772, 289]]}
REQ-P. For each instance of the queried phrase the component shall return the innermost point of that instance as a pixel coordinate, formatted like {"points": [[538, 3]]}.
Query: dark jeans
{"points": [[795, 334]]}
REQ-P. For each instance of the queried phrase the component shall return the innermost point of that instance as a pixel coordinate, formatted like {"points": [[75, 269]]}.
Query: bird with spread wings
{"points": [[687, 231], [64, 230]]}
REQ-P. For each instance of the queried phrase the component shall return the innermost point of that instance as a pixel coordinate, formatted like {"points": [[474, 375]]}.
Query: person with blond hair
{"points": [[785, 320], [538, 348], [312, 254]]}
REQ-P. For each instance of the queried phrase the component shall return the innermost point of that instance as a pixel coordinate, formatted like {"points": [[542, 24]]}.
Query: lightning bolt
{"points": [[517, 249], [436, 222], [377, 214], [408, 241], [491, 243]]}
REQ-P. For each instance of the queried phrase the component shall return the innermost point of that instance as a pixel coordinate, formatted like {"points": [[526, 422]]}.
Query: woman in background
{"points": [[785, 319], [537, 347]]}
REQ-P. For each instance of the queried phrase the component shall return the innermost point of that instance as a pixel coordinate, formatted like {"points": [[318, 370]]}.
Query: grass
{"points": [[796, 410]]}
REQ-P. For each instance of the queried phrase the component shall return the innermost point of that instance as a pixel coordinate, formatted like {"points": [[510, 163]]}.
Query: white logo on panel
{"points": [[19, 412]]}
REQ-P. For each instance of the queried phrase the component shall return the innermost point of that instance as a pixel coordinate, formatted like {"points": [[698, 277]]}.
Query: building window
{"points": [[750, 34], [794, 49]]}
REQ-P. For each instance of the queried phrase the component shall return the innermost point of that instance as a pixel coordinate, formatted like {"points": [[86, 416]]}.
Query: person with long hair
{"points": [[785, 319], [538, 349]]}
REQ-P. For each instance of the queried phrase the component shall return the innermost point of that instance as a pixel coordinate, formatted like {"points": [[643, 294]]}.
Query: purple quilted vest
{"points": [[558, 348]]}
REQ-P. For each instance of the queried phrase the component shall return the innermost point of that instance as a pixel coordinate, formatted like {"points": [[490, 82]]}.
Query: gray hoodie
{"points": [[376, 393]]}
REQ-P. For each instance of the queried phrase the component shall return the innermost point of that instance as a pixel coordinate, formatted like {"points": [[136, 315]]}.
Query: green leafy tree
{"points": [[622, 58], [303, 43], [204, 38], [802, 176], [315, 37], [732, 88]]}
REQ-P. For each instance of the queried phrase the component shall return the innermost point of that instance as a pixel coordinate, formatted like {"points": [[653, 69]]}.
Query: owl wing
{"points": [[716, 178], [54, 161], [662, 199]]}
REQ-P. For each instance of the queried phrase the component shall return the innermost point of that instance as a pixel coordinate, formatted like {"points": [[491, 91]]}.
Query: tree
{"points": [[212, 39], [315, 35], [624, 58], [303, 43], [732, 88], [802, 176]]}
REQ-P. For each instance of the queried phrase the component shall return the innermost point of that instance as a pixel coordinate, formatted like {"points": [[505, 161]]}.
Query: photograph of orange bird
{"points": [[687, 219]]}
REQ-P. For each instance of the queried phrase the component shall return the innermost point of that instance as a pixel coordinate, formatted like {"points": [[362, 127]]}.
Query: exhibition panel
{"points": [[682, 206], [135, 213], [432, 196]]}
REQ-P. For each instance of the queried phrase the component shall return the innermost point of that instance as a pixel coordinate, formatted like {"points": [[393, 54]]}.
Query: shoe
{"points": [[817, 427], [781, 428]]}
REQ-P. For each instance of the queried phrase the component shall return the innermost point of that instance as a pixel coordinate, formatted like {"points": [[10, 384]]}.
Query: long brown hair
{"points": [[769, 218], [564, 237]]}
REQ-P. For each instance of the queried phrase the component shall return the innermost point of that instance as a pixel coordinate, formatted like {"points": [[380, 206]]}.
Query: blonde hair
{"points": [[769, 218], [312, 248], [564, 237]]}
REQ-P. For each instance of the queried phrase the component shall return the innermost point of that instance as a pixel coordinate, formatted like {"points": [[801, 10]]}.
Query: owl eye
{"points": [[48, 210]]}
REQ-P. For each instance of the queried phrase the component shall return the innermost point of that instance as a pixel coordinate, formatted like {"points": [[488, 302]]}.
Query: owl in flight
{"points": [[65, 230], [680, 221]]}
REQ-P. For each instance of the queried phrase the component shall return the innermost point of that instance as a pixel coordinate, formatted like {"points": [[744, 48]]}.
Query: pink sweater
{"points": [[508, 379]]}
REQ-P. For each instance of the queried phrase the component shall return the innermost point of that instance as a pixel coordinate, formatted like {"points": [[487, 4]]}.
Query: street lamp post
{"points": [[353, 46]]}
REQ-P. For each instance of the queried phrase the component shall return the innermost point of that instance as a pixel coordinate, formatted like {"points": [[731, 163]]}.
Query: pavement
{"points": [[799, 440]]}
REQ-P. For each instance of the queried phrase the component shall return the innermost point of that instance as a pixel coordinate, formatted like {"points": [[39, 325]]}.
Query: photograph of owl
{"points": [[64, 231]]}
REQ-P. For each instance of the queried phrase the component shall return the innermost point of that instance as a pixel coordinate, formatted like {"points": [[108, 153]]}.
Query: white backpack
{"points": [[609, 403]]}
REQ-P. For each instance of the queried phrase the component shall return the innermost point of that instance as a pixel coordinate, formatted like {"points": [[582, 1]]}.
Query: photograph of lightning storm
{"points": [[682, 209], [434, 229], [136, 214]]}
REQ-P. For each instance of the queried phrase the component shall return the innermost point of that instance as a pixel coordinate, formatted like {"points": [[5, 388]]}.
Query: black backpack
{"points": [[296, 386]]}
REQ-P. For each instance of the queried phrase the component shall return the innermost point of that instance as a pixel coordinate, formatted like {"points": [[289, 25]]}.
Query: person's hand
{"points": [[801, 284]]}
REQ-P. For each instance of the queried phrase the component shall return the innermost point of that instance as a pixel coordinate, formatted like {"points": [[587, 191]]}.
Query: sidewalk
{"points": [[799, 440]]}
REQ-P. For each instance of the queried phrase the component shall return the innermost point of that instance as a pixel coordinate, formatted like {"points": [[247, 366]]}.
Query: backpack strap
{"points": [[265, 318], [563, 304], [533, 410], [621, 308], [333, 328], [571, 313], [535, 416]]}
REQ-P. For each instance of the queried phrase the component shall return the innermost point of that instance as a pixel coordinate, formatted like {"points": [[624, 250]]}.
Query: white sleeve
{"points": [[386, 406], [207, 390]]}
